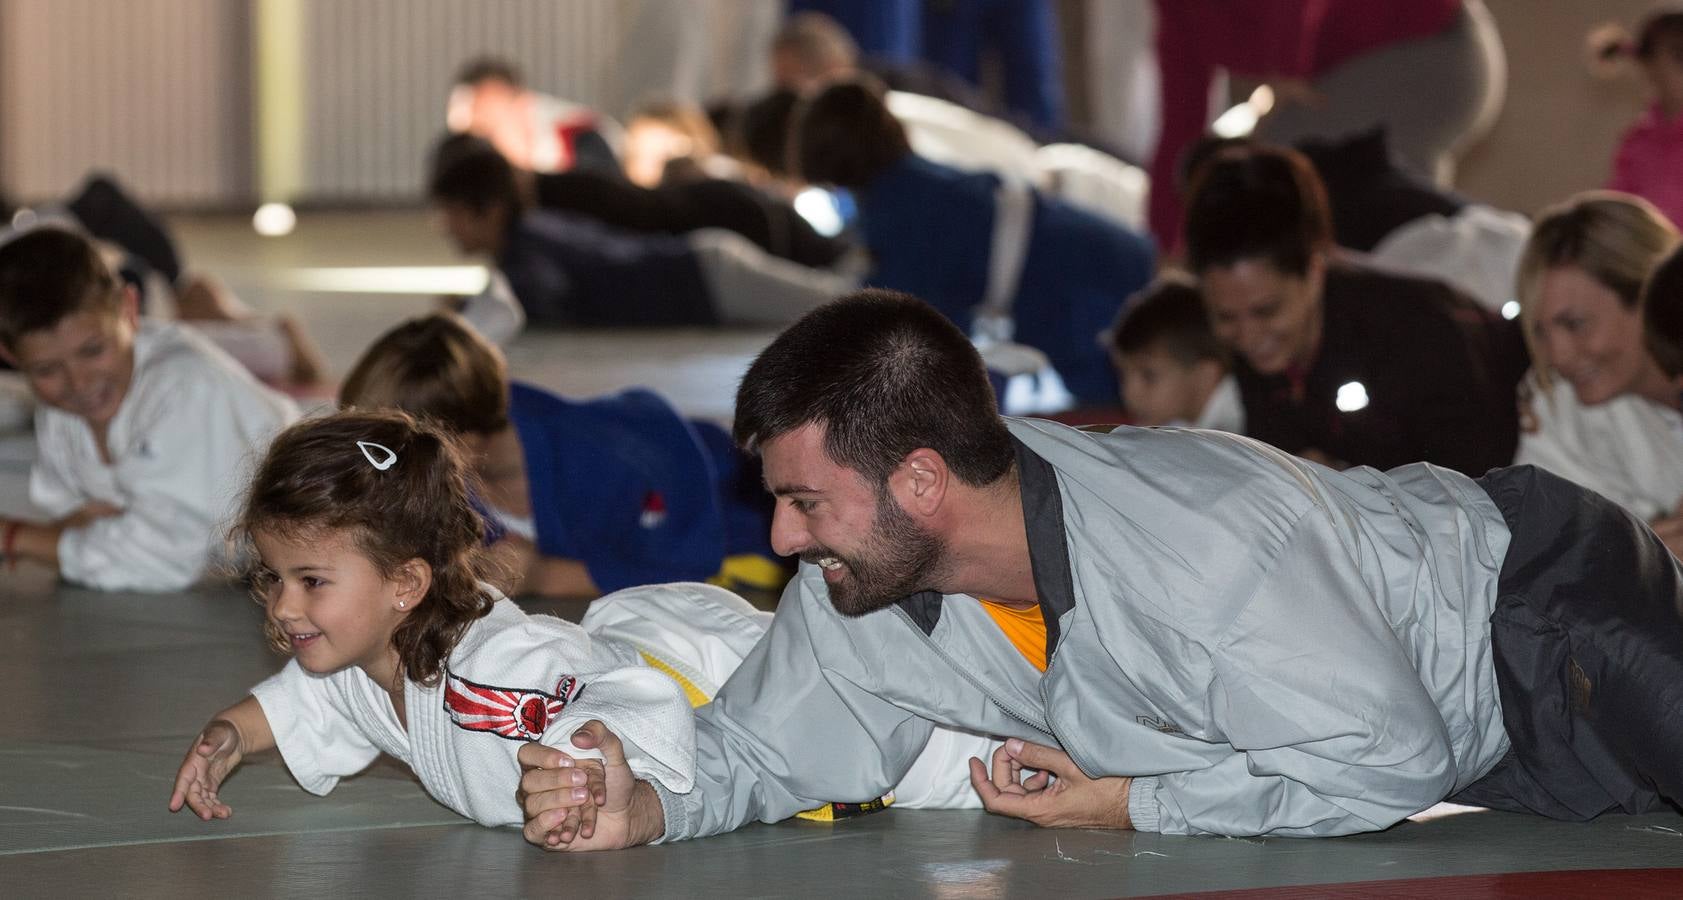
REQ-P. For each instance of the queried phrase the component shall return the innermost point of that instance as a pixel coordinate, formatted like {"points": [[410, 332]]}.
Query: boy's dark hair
{"points": [[1168, 313], [1661, 34], [48, 275], [490, 68], [468, 171], [315, 479], [436, 367], [762, 133], [846, 136], [1662, 313], [884, 373], [1257, 203]]}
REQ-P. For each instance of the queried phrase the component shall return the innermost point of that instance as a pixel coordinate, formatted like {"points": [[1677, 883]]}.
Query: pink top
{"points": [[1649, 162], [1261, 39]]}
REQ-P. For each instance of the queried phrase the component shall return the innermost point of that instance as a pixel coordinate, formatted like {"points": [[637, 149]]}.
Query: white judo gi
{"points": [[1629, 449], [182, 444], [639, 662]]}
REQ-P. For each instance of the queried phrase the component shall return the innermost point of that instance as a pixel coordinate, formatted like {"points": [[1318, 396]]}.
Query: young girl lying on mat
{"points": [[366, 560]]}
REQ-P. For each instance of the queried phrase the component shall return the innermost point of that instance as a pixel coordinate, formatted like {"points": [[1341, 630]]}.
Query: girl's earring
{"points": [[401, 604]]}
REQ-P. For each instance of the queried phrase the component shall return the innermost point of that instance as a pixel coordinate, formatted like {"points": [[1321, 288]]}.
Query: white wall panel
{"points": [[152, 90], [377, 74]]}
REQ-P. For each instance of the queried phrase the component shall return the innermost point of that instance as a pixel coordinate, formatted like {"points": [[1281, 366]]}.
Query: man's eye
{"points": [[804, 506]]}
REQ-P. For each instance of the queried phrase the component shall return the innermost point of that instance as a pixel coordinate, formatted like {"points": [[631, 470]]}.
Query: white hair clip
{"points": [[381, 464]]}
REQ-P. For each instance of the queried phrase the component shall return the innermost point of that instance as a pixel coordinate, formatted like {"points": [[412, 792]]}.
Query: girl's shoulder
{"points": [[510, 643]]}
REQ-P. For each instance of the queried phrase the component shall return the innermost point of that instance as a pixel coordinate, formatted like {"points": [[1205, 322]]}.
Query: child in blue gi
{"points": [[592, 495]]}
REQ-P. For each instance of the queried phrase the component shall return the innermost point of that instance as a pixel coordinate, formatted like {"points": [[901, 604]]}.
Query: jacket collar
{"points": [[1043, 520]]}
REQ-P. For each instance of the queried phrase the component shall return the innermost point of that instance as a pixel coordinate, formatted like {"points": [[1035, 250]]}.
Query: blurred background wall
{"points": [[219, 103], [1560, 124]]}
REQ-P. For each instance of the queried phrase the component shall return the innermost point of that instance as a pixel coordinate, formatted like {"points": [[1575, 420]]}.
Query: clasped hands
{"points": [[573, 804]]}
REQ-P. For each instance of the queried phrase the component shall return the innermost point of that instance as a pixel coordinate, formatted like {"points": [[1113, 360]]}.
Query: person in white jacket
{"points": [[144, 429], [1598, 408], [367, 562]]}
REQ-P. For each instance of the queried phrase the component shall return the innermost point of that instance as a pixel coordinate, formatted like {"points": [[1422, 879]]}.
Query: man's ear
{"points": [[413, 579], [921, 481]]}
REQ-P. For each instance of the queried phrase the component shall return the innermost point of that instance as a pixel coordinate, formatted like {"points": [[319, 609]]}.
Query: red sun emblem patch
{"points": [[519, 714]]}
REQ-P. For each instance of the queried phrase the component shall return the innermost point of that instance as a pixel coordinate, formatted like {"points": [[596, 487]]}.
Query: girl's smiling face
{"points": [[331, 603]]}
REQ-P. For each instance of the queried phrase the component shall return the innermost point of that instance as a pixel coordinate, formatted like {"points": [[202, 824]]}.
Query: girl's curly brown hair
{"points": [[316, 479]]}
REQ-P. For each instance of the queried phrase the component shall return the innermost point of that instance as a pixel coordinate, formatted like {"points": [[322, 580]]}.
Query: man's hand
{"points": [[1057, 795], [623, 812]]}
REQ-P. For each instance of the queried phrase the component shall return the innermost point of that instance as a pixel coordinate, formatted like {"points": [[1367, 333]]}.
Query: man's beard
{"points": [[899, 559]]}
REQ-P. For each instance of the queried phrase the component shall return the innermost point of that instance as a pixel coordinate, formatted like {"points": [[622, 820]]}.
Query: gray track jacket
{"points": [[1267, 646]]}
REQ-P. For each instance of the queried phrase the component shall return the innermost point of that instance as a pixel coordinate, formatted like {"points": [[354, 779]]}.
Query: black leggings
{"points": [[1587, 637]]}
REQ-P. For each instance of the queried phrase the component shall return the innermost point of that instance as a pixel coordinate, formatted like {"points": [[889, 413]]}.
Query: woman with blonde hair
{"points": [[1598, 408]]}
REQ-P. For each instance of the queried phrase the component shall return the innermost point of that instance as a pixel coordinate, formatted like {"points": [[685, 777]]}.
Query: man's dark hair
{"points": [[490, 68], [1168, 313], [48, 275], [1662, 313], [884, 373], [468, 171], [846, 136], [1257, 203], [762, 131]]}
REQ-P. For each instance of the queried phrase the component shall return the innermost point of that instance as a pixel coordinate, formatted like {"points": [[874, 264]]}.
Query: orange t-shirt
{"points": [[1026, 629]]}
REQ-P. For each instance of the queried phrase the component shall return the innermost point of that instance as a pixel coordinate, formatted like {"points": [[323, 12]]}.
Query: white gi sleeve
{"points": [[194, 437], [1622, 449], [318, 740], [494, 312], [648, 712], [786, 735], [1332, 730], [52, 485], [541, 679]]}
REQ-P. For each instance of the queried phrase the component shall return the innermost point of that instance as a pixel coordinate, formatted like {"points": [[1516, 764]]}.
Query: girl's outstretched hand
{"points": [[215, 753]]}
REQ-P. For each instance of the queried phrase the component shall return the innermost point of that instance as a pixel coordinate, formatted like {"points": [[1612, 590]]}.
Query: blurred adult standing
{"points": [[1431, 71]]}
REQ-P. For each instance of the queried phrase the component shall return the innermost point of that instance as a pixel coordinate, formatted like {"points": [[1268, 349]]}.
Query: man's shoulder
{"points": [[1146, 465]]}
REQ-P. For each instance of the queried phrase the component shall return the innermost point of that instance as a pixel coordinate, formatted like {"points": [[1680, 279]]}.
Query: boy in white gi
{"points": [[143, 429], [368, 565]]}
